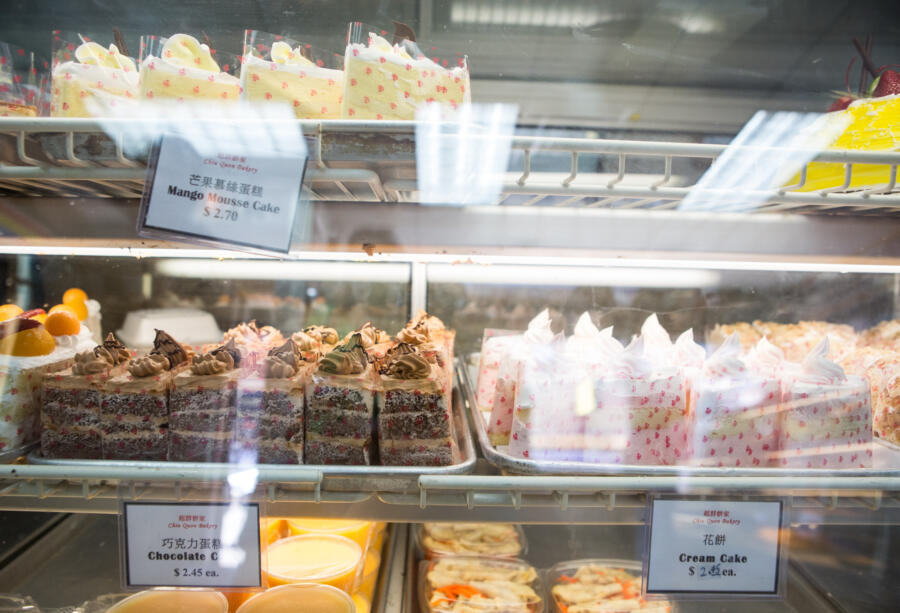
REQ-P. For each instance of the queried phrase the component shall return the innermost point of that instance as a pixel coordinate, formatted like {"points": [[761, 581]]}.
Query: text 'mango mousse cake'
{"points": [[184, 69], [415, 421], [384, 81], [92, 81], [202, 406], [826, 419], [70, 415], [270, 416], [278, 69], [340, 407], [28, 351], [134, 406]]}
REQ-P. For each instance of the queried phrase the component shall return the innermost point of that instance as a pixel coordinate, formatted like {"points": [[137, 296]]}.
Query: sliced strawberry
{"points": [[840, 104], [887, 84], [31, 313]]}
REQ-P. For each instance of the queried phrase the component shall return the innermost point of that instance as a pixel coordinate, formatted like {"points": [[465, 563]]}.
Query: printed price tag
{"points": [[191, 545], [714, 547], [225, 195]]}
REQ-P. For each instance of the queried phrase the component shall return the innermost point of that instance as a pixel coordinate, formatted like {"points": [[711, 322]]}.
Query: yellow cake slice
{"points": [[312, 91], [873, 125], [100, 82], [186, 70], [383, 81]]}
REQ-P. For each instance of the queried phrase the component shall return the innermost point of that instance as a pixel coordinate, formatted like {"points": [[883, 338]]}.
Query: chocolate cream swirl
{"points": [[149, 365], [323, 334], [304, 341], [403, 362], [167, 354], [219, 360], [347, 359], [101, 358], [282, 362], [371, 335]]}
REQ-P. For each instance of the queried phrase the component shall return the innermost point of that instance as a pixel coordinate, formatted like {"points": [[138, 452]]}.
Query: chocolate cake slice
{"points": [[340, 401], [134, 405], [70, 413], [415, 420]]}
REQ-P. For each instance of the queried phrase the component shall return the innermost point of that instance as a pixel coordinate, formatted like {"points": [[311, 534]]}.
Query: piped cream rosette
{"points": [[186, 70]]}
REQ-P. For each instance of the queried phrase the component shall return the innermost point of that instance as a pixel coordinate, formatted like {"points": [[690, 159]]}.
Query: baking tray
{"points": [[389, 479], [886, 456]]}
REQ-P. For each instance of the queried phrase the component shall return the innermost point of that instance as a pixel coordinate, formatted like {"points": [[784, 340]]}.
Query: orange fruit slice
{"points": [[79, 307], [41, 317], [36, 341], [62, 307], [8, 311], [74, 293], [62, 323]]}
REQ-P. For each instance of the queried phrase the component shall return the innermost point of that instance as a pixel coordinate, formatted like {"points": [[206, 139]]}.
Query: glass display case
{"points": [[549, 264]]}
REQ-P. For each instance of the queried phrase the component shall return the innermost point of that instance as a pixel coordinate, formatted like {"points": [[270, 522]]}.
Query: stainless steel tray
{"points": [[886, 456], [393, 479], [11, 456]]}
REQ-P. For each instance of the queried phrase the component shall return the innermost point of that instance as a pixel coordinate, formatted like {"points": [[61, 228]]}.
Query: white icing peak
{"points": [[654, 334], [687, 351], [283, 54], [632, 362], [724, 362], [585, 328], [539, 329], [92, 53], [818, 368], [767, 354]]}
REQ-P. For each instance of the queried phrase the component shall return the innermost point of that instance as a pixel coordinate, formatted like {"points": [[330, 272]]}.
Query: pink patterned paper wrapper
{"points": [[639, 421], [827, 426], [494, 346], [545, 425], [881, 368], [735, 422]]}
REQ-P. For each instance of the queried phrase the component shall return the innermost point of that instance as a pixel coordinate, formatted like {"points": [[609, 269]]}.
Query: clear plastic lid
{"points": [[470, 539], [300, 598], [172, 599], [484, 584], [608, 585], [14, 604]]}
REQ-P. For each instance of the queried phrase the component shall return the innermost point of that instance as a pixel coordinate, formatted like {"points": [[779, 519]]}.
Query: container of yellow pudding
{"points": [[313, 558], [279, 70], [270, 530], [300, 598], [354, 529], [369, 576], [181, 69], [363, 604], [173, 600]]}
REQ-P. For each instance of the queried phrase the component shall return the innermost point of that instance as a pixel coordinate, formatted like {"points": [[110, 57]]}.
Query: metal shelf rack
{"points": [[375, 162]]}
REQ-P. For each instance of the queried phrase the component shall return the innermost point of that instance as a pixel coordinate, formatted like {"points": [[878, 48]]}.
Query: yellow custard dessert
{"points": [[299, 598], [312, 90], [173, 600], [383, 81], [100, 82], [8, 109], [321, 558], [871, 125], [354, 529], [184, 71]]}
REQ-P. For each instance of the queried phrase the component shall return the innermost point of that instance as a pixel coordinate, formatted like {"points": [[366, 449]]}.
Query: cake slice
{"points": [[415, 421], [270, 407], [340, 407], [384, 81], [101, 82], [70, 414], [134, 407], [184, 71], [203, 406], [312, 88]]}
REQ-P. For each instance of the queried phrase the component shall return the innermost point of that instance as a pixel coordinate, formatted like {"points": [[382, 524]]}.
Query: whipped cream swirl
{"points": [[539, 331], [632, 362], [817, 368]]}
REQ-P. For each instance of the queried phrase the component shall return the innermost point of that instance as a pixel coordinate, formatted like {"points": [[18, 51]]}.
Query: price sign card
{"points": [[191, 545], [224, 193], [715, 547]]}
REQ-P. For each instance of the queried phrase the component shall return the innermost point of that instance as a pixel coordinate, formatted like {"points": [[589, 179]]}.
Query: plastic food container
{"points": [[564, 573], [441, 585], [300, 598], [363, 604], [354, 529], [270, 530], [313, 558], [435, 540], [369, 576], [188, 326], [173, 600]]}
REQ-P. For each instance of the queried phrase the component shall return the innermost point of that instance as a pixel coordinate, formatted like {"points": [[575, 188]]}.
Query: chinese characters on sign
{"points": [[248, 200], [161, 539], [714, 547]]}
